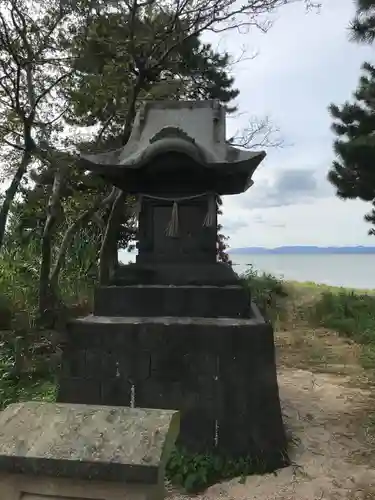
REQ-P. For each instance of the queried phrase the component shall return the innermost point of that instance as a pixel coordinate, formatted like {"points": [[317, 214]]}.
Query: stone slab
{"points": [[87, 442], [44, 497], [164, 300], [26, 487], [167, 321]]}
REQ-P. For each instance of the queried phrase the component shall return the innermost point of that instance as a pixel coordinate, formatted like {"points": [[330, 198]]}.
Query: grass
{"points": [[195, 472], [27, 351], [12, 391], [318, 288], [307, 307], [268, 292], [348, 312]]}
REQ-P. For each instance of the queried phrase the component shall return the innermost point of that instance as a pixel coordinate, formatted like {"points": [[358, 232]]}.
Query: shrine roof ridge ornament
{"points": [[193, 128]]}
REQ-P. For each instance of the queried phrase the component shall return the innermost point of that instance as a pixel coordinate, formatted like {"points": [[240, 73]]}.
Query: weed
{"points": [[367, 357], [27, 352], [195, 472], [267, 291], [351, 315], [12, 391], [19, 380], [317, 355]]}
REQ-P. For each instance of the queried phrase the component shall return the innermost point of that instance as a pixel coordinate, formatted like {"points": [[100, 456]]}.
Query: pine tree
{"points": [[103, 86], [363, 26], [353, 173]]}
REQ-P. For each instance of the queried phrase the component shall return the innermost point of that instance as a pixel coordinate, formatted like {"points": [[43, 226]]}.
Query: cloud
{"points": [[300, 181], [329, 221], [253, 219], [287, 187], [232, 226], [260, 219]]}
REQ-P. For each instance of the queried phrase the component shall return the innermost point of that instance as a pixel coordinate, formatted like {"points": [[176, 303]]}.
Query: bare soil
{"points": [[328, 404]]}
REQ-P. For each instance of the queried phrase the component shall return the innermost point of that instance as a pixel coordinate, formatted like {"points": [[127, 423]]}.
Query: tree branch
{"points": [[259, 134], [11, 144], [71, 231], [11, 192], [48, 89]]}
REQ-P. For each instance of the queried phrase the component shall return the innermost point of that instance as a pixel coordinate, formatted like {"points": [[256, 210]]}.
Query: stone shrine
{"points": [[176, 330]]}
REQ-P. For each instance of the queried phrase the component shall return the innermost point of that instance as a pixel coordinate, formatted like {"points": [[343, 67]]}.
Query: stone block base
{"points": [[219, 373], [23, 487]]}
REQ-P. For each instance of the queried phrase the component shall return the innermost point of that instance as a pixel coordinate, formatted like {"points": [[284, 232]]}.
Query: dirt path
{"points": [[328, 415]]}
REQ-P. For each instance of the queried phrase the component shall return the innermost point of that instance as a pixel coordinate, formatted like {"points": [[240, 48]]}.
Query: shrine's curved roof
{"points": [[196, 130]]}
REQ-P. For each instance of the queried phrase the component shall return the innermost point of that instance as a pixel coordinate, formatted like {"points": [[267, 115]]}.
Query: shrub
{"points": [[27, 351], [195, 472], [267, 291], [349, 313], [14, 391], [25, 373]]}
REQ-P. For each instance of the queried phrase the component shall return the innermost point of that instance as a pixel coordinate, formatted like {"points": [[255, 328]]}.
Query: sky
{"points": [[305, 62]]}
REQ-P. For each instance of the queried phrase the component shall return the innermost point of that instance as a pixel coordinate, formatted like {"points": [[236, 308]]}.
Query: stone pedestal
{"points": [[76, 452], [219, 372]]}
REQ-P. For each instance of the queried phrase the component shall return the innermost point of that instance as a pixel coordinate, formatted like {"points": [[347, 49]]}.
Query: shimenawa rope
{"points": [[173, 225]]}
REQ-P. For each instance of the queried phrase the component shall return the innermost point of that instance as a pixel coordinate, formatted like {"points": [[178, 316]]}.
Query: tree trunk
{"points": [[108, 255], [11, 192], [47, 294]]}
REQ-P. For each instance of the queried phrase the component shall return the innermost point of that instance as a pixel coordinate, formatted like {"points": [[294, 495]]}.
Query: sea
{"points": [[346, 270]]}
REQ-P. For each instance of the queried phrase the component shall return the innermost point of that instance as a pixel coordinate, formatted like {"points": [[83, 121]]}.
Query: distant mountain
{"points": [[304, 250]]}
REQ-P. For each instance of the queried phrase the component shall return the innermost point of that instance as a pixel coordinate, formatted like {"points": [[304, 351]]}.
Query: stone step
{"points": [[163, 300], [215, 274]]}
